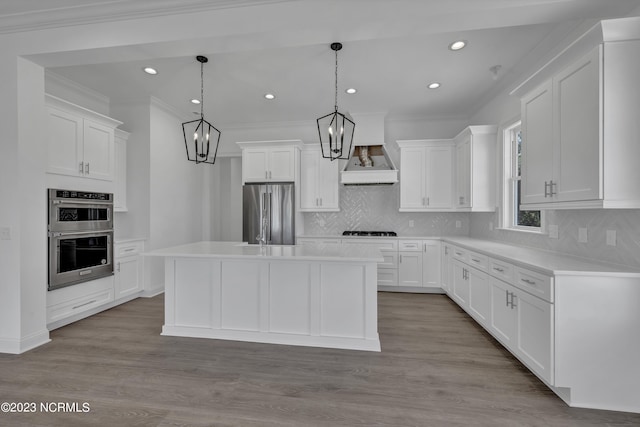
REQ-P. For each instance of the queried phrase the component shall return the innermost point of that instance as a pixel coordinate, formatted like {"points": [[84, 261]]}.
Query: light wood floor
{"points": [[436, 368]]}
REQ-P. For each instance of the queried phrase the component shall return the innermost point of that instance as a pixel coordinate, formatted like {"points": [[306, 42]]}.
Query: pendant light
{"points": [[199, 134], [335, 129]]}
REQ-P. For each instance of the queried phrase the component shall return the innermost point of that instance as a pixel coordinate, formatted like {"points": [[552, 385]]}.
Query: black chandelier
{"points": [[199, 134], [335, 129]]}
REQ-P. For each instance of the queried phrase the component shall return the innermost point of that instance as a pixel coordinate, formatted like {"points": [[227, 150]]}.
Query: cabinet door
{"points": [[120, 192], [281, 164], [98, 151], [309, 173], [463, 173], [439, 177], [431, 264], [535, 333], [412, 178], [578, 131], [410, 269], [460, 284], [537, 144], [329, 184], [127, 277], [504, 318], [446, 266], [254, 164], [479, 296], [64, 145]]}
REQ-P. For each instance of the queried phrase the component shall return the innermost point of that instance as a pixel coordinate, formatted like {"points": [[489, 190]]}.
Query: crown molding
{"points": [[44, 18], [63, 82]]}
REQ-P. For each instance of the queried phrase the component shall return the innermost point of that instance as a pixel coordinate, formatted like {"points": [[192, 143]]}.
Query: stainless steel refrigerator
{"points": [[271, 206]]}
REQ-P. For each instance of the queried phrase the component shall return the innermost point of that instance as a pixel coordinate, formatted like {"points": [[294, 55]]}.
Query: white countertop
{"points": [[543, 261], [333, 253], [546, 262]]}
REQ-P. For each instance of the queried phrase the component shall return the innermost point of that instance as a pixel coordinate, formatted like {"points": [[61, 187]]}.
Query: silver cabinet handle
{"points": [[513, 304], [86, 168], [546, 191], [552, 188], [118, 266], [266, 175], [475, 260], [528, 282], [400, 258], [506, 302], [270, 176], [428, 201], [81, 170], [498, 269]]}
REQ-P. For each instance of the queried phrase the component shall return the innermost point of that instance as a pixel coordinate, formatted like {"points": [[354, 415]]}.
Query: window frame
{"points": [[510, 179]]}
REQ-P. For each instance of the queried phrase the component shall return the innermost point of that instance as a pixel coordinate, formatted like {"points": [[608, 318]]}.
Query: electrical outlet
{"points": [[458, 224], [5, 233], [411, 223], [553, 231], [611, 237], [582, 234]]}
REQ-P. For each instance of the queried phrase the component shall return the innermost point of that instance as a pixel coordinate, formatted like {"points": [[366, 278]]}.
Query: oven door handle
{"points": [[77, 233], [82, 202]]}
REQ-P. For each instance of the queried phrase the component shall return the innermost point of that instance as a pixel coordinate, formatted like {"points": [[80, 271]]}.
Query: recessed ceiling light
{"points": [[269, 96], [351, 90], [457, 45], [195, 101], [434, 85], [151, 71]]}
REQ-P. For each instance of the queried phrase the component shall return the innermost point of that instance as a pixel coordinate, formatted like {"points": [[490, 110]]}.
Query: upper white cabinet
{"points": [[319, 184], [476, 169], [579, 122], [80, 142], [426, 179], [270, 161], [120, 192]]}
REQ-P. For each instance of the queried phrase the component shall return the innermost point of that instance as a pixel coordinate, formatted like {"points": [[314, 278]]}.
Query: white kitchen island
{"points": [[310, 295]]}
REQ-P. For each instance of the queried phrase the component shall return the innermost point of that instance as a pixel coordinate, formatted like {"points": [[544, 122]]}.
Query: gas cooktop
{"points": [[369, 233]]}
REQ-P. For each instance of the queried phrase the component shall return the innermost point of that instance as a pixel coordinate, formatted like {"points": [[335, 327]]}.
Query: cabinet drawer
{"points": [[501, 270], [128, 249], [79, 305], [479, 261], [459, 254], [382, 244], [534, 283], [387, 277], [390, 260], [410, 245]]}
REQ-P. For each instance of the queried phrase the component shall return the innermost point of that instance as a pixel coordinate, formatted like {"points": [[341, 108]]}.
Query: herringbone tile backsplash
{"points": [[625, 222], [375, 208]]}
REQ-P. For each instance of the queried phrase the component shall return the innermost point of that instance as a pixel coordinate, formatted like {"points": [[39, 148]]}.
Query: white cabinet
{"points": [[388, 269], [460, 284], [80, 142], [479, 296], [580, 136], [319, 185], [431, 271], [270, 161], [410, 269], [504, 319], [426, 179], [447, 268], [120, 192], [128, 269], [476, 169]]}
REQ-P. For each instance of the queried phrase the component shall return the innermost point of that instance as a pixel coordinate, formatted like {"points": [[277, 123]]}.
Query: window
{"points": [[515, 218]]}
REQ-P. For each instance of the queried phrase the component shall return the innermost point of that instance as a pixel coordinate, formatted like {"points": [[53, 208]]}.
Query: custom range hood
{"points": [[369, 163]]}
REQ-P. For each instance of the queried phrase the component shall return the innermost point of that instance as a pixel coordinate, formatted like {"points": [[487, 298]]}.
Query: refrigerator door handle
{"points": [[270, 214]]}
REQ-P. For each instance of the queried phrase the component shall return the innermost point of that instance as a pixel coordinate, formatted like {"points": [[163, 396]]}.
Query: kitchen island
{"points": [[310, 295]]}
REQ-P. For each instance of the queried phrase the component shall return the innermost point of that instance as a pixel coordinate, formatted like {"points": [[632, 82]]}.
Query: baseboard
{"points": [[18, 346], [152, 293], [411, 289]]}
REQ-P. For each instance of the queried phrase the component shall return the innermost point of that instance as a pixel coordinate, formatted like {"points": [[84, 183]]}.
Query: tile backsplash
{"points": [[375, 208], [626, 223]]}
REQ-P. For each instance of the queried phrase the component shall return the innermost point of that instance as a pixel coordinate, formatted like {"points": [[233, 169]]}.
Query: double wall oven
{"points": [[80, 233]]}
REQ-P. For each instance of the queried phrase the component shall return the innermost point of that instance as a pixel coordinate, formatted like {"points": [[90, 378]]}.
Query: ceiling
{"points": [[392, 51]]}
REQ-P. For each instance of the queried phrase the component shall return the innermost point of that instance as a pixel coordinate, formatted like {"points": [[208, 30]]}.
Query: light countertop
{"points": [[333, 253]]}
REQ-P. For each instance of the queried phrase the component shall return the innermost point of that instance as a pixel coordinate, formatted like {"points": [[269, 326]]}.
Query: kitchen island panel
{"points": [[241, 285], [289, 298]]}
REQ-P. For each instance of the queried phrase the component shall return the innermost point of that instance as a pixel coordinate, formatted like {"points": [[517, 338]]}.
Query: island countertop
{"points": [[319, 252]]}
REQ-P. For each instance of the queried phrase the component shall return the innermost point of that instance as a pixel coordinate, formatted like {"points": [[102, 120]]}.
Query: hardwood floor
{"points": [[436, 368]]}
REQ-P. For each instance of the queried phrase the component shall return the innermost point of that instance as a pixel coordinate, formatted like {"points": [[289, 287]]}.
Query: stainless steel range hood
{"points": [[369, 163]]}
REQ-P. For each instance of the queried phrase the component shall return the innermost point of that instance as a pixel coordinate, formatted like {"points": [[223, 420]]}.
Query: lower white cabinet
{"points": [[128, 268], [460, 284], [410, 269], [503, 321], [479, 295], [431, 270]]}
